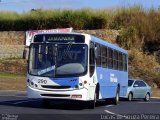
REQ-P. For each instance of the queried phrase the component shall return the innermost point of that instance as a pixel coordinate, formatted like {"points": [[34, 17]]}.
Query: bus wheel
{"points": [[45, 102], [116, 99]]}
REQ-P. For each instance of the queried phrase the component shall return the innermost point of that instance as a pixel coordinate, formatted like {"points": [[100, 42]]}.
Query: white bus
{"points": [[76, 66]]}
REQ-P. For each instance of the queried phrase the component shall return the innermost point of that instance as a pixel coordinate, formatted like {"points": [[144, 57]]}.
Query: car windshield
{"points": [[130, 82], [58, 60]]}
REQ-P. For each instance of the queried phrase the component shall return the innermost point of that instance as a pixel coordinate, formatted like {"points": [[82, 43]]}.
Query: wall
{"points": [[12, 43]]}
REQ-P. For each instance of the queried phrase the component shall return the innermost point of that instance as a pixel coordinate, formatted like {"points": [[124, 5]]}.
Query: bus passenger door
{"points": [[93, 78]]}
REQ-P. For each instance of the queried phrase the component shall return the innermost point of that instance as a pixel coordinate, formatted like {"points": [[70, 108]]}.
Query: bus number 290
{"points": [[42, 81]]}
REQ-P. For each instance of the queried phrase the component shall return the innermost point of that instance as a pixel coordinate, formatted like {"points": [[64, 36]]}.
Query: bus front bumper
{"points": [[79, 94]]}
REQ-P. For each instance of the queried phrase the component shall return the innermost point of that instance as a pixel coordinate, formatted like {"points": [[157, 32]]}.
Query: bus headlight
{"points": [[80, 84], [32, 84]]}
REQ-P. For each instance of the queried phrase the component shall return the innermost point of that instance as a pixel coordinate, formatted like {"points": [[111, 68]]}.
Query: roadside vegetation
{"points": [[139, 31], [10, 81]]}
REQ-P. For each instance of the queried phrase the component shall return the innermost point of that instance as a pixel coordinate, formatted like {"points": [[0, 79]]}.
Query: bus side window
{"points": [[110, 58], [104, 56], [124, 62], [120, 61], [98, 61], [115, 60]]}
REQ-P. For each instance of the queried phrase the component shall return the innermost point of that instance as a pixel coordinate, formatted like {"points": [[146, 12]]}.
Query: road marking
{"points": [[24, 101], [109, 105], [107, 111]]}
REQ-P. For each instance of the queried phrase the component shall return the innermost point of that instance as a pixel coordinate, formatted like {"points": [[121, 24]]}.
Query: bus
{"points": [[76, 66]]}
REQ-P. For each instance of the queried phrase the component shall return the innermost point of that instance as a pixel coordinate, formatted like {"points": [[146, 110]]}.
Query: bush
{"points": [[49, 19], [128, 38], [143, 66]]}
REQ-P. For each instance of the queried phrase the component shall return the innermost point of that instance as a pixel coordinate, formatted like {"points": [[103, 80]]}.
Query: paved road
{"points": [[16, 106]]}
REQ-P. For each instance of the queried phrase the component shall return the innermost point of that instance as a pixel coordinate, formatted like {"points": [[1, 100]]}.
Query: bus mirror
{"points": [[26, 53]]}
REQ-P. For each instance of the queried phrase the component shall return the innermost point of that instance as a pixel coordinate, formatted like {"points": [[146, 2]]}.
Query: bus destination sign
{"points": [[59, 38]]}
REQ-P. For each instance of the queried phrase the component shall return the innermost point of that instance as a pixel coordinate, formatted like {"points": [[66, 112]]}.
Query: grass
{"points": [[46, 19], [12, 82], [9, 75]]}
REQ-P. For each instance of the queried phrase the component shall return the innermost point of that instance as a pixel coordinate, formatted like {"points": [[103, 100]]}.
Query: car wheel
{"points": [[130, 96], [147, 97]]}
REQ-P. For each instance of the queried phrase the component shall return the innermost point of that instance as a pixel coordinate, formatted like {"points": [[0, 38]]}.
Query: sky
{"points": [[21, 6]]}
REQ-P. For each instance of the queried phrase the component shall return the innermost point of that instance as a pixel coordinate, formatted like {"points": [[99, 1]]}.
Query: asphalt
{"points": [[14, 105]]}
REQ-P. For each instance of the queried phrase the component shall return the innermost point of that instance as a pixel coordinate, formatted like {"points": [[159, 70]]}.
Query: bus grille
{"points": [[55, 95], [55, 87]]}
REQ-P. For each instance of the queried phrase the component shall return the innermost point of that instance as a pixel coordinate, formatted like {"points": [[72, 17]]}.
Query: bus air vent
{"points": [[55, 87]]}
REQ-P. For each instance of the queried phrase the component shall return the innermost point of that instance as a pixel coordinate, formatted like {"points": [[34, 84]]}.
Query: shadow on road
{"points": [[54, 104]]}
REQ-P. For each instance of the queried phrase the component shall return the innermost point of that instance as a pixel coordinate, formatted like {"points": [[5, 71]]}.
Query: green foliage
{"points": [[138, 27], [128, 38], [144, 66], [48, 19]]}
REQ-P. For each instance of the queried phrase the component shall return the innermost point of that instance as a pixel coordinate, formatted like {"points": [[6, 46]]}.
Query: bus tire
{"points": [[45, 102], [92, 103], [116, 99]]}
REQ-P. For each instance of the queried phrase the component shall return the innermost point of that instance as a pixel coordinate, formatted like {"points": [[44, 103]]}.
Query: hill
{"points": [[135, 29]]}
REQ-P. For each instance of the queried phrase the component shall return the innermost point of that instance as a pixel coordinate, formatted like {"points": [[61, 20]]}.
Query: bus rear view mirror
{"points": [[26, 53]]}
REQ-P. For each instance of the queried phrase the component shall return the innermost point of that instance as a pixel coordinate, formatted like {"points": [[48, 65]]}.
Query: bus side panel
{"points": [[108, 80]]}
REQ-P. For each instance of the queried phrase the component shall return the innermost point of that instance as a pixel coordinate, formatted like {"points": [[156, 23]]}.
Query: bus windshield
{"points": [[58, 60]]}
